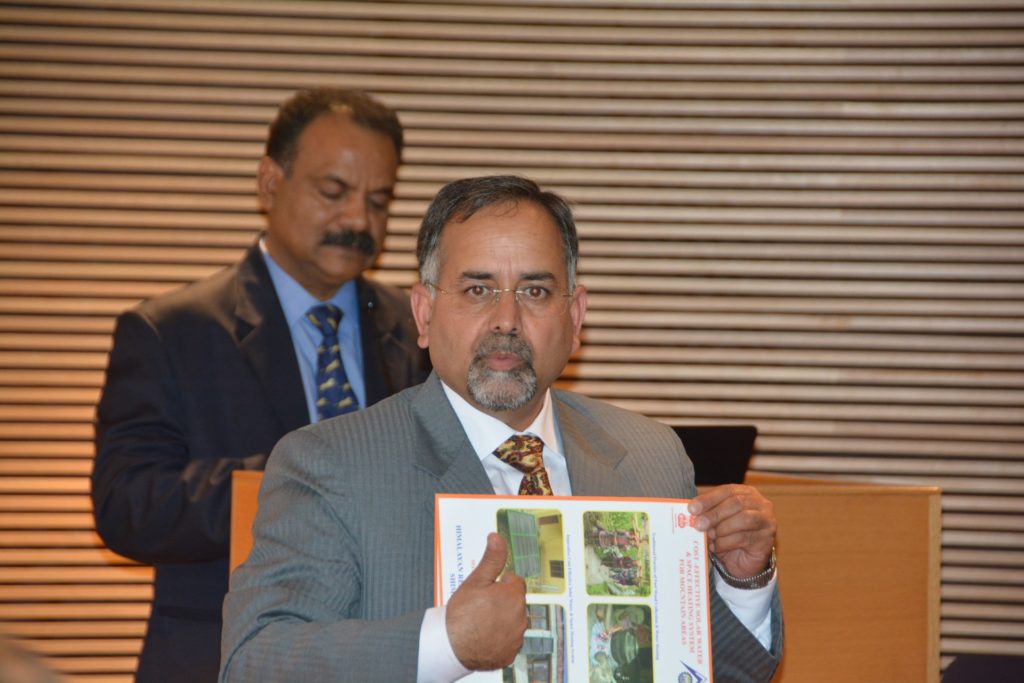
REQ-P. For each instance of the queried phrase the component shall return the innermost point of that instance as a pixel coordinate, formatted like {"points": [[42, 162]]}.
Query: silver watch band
{"points": [[756, 581]]}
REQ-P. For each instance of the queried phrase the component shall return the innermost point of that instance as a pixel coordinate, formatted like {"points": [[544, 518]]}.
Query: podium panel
{"points": [[859, 577], [245, 488]]}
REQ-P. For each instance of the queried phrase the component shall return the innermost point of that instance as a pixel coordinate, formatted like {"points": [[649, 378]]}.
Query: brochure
{"points": [[617, 588]]}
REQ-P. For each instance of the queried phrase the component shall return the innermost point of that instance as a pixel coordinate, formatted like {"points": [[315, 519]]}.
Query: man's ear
{"points": [[422, 309], [577, 311], [268, 176]]}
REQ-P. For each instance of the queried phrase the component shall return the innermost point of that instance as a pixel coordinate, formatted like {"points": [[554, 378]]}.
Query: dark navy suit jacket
{"points": [[203, 381]]}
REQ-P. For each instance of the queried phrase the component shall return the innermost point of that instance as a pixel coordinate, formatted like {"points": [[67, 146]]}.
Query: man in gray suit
{"points": [[339, 584]]}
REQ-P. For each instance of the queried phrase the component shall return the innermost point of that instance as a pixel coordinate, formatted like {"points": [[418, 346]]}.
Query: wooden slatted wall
{"points": [[802, 215]]}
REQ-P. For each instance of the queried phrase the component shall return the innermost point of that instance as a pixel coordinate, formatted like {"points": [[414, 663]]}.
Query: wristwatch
{"points": [[756, 581]]}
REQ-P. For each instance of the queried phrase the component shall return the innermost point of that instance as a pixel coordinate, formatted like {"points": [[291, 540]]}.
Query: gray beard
{"points": [[502, 390]]}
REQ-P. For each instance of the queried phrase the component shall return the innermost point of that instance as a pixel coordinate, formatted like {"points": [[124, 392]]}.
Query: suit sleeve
{"points": [[737, 654], [293, 611], [153, 500]]}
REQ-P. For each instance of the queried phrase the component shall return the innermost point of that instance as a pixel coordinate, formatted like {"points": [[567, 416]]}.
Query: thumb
{"points": [[492, 563]]}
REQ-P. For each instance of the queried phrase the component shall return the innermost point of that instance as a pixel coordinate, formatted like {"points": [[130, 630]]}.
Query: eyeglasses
{"points": [[536, 300]]}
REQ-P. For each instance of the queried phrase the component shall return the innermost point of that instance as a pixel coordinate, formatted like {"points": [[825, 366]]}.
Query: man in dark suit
{"points": [[339, 584], [204, 380]]}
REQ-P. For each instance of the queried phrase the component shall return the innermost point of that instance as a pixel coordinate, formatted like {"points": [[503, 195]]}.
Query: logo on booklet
{"points": [[691, 675], [684, 520]]}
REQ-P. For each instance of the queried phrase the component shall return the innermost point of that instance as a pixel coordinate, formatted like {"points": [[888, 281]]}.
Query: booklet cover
{"points": [[616, 588]]}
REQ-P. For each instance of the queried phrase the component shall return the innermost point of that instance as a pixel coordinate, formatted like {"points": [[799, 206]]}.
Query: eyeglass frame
{"points": [[496, 293]]}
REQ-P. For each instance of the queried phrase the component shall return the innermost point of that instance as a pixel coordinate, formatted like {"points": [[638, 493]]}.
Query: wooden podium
{"points": [[859, 580], [245, 488], [858, 575]]}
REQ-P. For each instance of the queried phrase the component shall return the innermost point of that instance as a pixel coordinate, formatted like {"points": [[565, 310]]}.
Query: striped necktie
{"points": [[334, 395], [526, 454]]}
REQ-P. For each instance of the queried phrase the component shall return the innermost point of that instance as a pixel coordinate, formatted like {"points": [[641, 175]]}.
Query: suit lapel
{"points": [[382, 354], [264, 341], [447, 457], [591, 453]]}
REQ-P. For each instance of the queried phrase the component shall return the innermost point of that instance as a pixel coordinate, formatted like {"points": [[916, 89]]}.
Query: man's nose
{"points": [[354, 213], [506, 313]]}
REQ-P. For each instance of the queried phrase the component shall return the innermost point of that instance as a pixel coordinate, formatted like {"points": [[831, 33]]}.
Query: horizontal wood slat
{"points": [[76, 629], [804, 216]]}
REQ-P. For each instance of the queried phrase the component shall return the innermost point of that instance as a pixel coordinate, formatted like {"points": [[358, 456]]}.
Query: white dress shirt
{"points": [[437, 662]]}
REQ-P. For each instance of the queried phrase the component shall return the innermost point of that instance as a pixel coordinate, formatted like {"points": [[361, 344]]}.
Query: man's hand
{"points": [[486, 617], [740, 523]]}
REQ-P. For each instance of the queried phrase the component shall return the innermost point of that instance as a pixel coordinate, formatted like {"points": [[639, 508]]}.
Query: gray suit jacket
{"points": [[342, 565]]}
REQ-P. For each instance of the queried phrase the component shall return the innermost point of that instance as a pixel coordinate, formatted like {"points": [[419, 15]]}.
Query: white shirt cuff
{"points": [[752, 606], [437, 662]]}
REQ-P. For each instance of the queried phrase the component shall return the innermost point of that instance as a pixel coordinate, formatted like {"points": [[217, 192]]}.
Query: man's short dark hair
{"points": [[460, 199], [304, 106]]}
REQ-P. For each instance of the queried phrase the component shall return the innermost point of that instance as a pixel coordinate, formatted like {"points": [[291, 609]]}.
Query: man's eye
{"points": [[379, 204], [536, 293], [477, 292]]}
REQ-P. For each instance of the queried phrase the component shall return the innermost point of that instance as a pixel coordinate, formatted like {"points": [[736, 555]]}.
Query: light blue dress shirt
{"points": [[296, 302]]}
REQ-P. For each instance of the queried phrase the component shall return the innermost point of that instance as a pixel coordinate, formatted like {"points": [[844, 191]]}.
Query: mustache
{"points": [[347, 237], [504, 343]]}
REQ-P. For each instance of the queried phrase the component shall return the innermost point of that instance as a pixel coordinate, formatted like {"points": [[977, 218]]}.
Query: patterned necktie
{"points": [[334, 395], [525, 453]]}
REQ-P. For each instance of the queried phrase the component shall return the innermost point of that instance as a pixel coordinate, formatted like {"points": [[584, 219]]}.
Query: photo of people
{"points": [[620, 649], [617, 553], [536, 547]]}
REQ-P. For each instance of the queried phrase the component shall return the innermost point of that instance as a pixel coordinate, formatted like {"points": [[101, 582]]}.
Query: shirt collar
{"points": [[486, 433], [296, 301]]}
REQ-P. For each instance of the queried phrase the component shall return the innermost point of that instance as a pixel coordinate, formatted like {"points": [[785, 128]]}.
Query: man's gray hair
{"points": [[460, 199]]}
